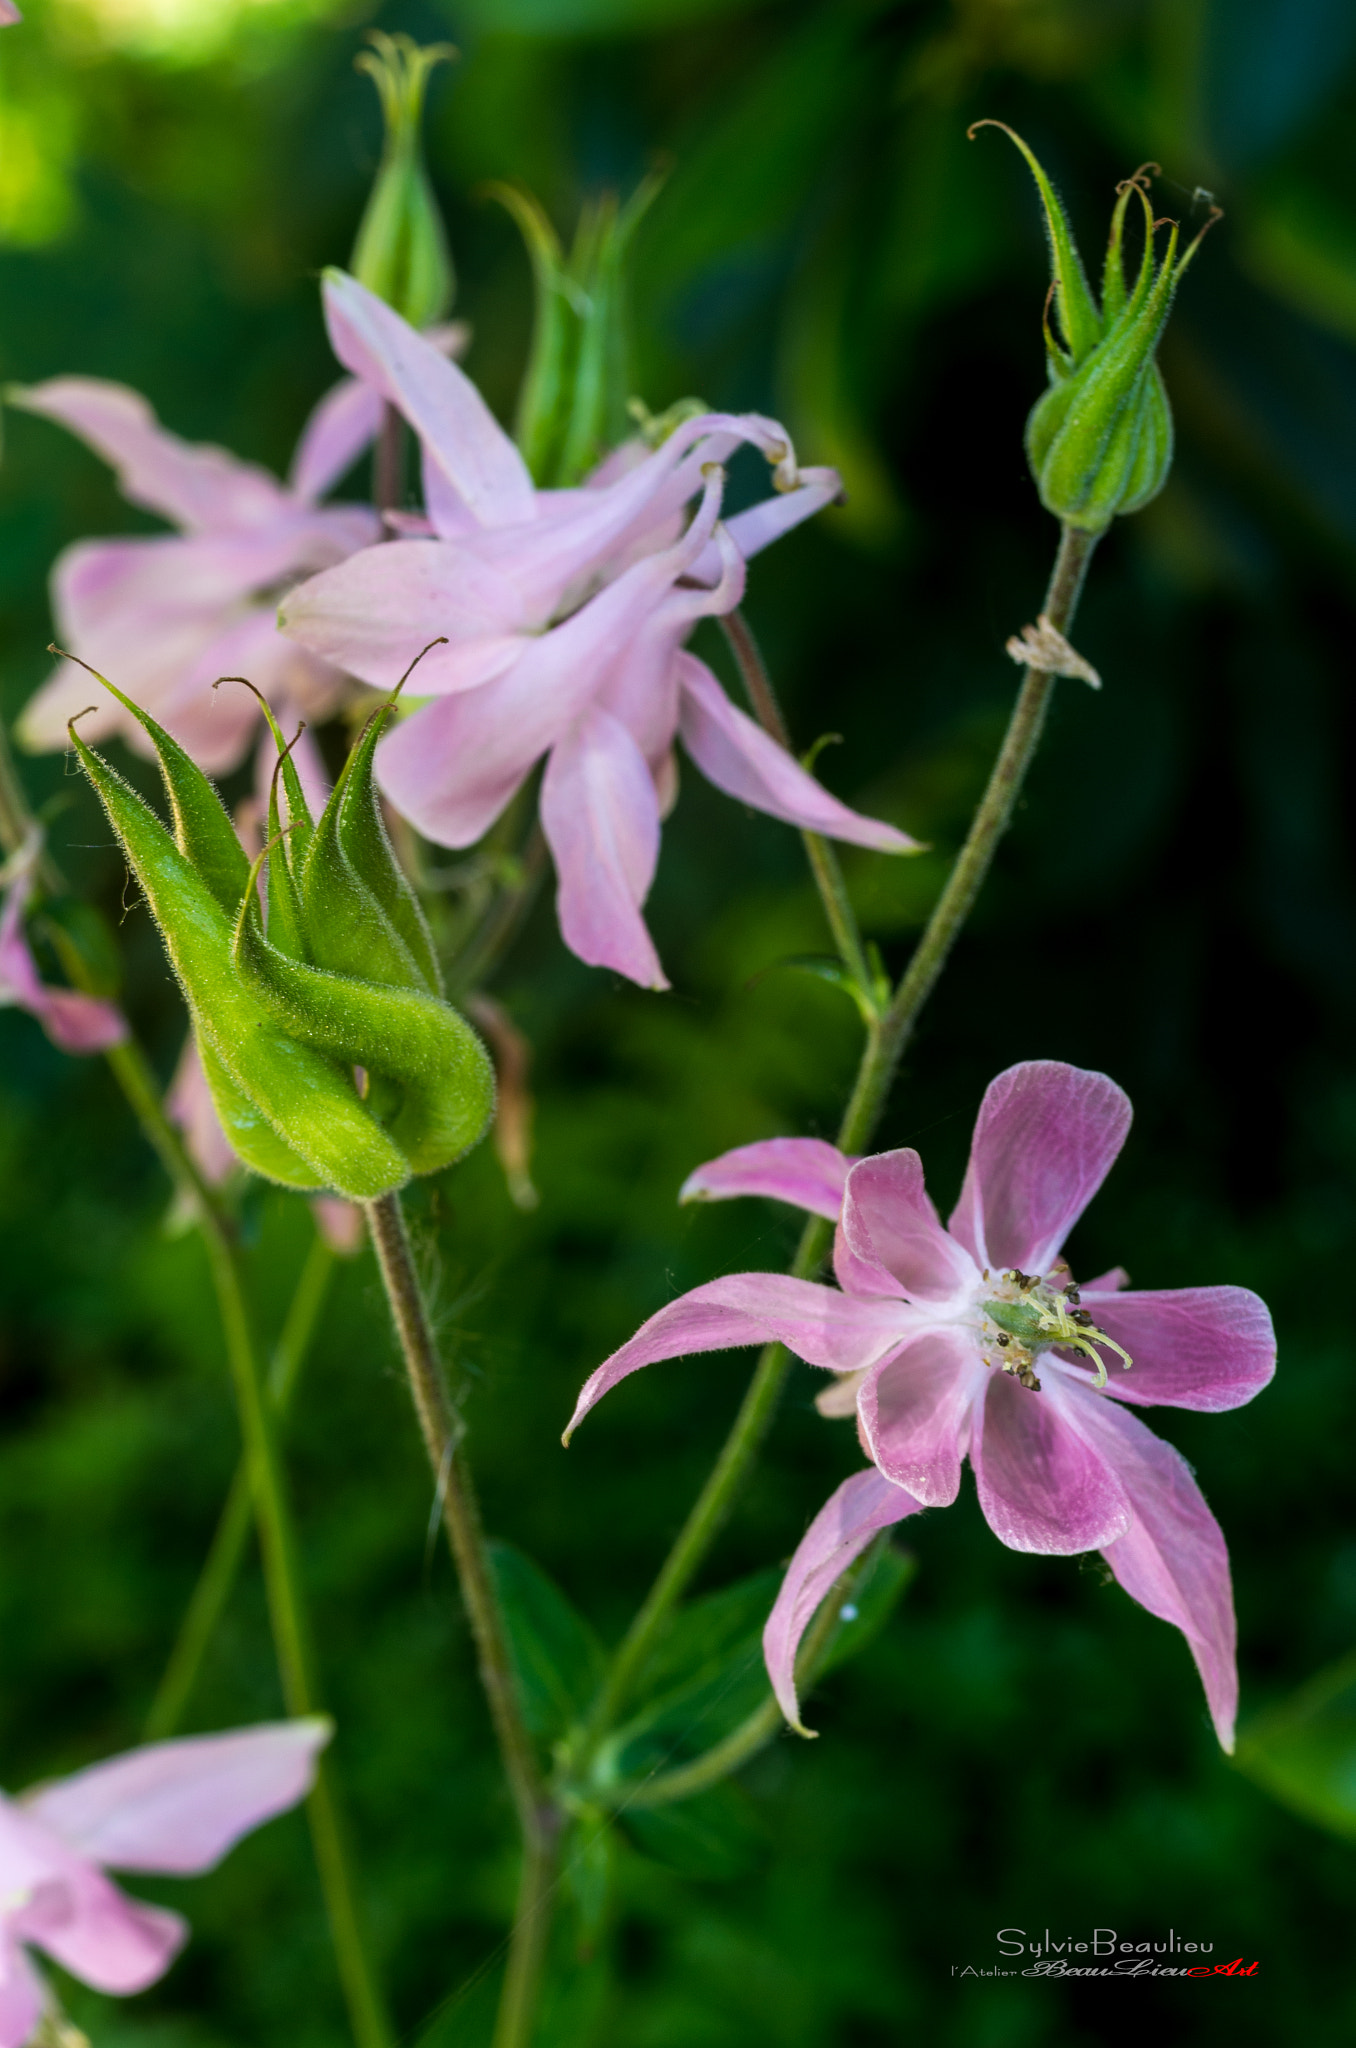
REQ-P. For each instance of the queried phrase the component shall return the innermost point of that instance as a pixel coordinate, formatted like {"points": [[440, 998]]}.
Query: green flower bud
{"points": [[573, 403], [1100, 440], [401, 252], [343, 978]]}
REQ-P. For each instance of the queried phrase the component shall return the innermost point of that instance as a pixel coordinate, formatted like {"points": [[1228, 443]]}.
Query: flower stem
{"points": [[886, 1038], [538, 1816], [824, 866], [367, 2016], [221, 1568], [388, 462]]}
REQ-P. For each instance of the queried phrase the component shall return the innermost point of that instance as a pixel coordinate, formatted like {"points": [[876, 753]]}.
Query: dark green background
{"points": [[1022, 1745]]}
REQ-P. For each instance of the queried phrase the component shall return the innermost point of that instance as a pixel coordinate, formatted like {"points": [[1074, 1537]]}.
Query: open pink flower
{"points": [[168, 614], [564, 613], [9, 14], [175, 1807], [76, 1022], [975, 1341]]}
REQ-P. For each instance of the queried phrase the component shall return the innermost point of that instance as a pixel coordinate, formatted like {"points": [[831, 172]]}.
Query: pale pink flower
{"points": [[76, 1022], [564, 613], [167, 614], [173, 1807], [9, 14], [975, 1341]]}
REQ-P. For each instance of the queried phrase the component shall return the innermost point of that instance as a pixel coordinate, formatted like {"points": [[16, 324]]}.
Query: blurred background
{"points": [[1020, 1744]]}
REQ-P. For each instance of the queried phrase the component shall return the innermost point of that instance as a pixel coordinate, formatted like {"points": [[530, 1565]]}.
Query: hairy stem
{"points": [[538, 1817], [886, 1038], [828, 875], [221, 1568]]}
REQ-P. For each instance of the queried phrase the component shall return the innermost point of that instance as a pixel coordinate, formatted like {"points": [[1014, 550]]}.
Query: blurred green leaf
{"points": [[873, 1600], [705, 1677], [719, 1834], [560, 19], [557, 1657], [1304, 1752]]}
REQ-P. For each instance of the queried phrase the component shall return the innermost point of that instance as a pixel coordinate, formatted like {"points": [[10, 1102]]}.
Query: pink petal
{"points": [[740, 758], [819, 1324], [600, 816], [806, 1172], [340, 1223], [915, 1413], [202, 488], [1045, 1140], [179, 1806], [476, 456], [76, 1023], [9, 14], [1172, 1558], [1194, 1347], [342, 425], [21, 1991], [839, 1533], [372, 613], [113, 1942], [1041, 1485], [857, 1275], [451, 768], [761, 524], [889, 1220]]}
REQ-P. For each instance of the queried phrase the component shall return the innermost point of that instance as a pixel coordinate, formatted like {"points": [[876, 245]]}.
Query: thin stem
{"points": [[388, 462], [133, 1072], [824, 865], [666, 1788], [538, 1816], [885, 1041], [221, 1568], [367, 2016]]}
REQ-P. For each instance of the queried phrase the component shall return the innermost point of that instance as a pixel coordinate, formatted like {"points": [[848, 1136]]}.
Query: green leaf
{"points": [[558, 1659], [1304, 1752], [706, 1676], [719, 1834], [884, 1580]]}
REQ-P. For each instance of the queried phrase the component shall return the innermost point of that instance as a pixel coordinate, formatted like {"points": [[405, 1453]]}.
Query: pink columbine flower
{"points": [[173, 1807], [565, 613], [168, 614], [976, 1341], [9, 14], [76, 1022]]}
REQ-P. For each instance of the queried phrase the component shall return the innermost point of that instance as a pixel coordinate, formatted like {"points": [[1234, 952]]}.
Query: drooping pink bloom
{"points": [[173, 1807], [168, 614], [76, 1022], [9, 14], [564, 613], [975, 1341]]}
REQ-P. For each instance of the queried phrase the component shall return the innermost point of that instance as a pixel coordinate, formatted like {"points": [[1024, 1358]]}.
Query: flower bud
{"points": [[1100, 439], [401, 252], [332, 1057], [573, 403]]}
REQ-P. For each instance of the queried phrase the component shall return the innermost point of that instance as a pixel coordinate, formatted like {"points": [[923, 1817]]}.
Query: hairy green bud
{"points": [[333, 1058], [1100, 440], [401, 252], [573, 403]]}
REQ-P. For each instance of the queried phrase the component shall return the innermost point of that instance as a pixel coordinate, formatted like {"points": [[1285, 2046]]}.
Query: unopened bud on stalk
{"points": [[401, 252], [333, 1059], [1100, 440]]}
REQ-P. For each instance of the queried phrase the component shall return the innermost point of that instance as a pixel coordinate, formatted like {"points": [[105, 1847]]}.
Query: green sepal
{"points": [[401, 252], [427, 1056], [366, 846], [1100, 440], [573, 403], [203, 831], [311, 1130]]}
